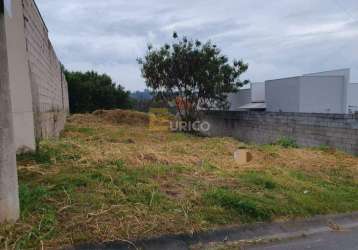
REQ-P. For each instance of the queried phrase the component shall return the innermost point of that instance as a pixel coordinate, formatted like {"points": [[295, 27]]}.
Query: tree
{"points": [[91, 91], [195, 75]]}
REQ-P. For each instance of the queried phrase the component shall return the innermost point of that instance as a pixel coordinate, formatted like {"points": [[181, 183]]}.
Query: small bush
{"points": [[287, 142]]}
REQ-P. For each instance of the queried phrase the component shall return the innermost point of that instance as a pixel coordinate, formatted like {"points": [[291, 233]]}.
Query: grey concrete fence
{"points": [[312, 130]]}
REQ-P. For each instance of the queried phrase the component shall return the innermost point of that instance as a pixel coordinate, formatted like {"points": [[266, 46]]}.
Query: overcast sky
{"points": [[277, 38]]}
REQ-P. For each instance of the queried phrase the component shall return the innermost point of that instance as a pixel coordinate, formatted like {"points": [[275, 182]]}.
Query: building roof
{"points": [[254, 105]]}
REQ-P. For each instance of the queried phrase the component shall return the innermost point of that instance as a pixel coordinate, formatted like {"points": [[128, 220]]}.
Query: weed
{"points": [[208, 166], [44, 156], [49, 153], [70, 181], [31, 199], [120, 165], [287, 142], [44, 230], [270, 149]]}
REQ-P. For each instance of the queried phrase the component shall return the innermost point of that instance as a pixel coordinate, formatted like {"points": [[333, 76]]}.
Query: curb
{"points": [[252, 232]]}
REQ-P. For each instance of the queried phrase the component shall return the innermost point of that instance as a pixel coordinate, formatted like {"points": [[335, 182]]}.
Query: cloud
{"points": [[277, 39]]}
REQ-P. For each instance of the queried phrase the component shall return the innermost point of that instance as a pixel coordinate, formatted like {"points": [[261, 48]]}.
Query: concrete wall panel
{"points": [[49, 86], [353, 97], [322, 94], [20, 85], [38, 85], [283, 95], [346, 73], [239, 99], [258, 92]]}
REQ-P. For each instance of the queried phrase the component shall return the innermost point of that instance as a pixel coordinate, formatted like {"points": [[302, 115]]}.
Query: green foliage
{"points": [[195, 72], [287, 142], [91, 91]]}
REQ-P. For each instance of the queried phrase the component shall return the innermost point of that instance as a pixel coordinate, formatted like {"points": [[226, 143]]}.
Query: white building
{"points": [[353, 98], [250, 98], [236, 100], [323, 92]]}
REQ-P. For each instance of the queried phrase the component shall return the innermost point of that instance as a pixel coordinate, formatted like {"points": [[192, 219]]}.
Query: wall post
{"points": [[9, 197]]}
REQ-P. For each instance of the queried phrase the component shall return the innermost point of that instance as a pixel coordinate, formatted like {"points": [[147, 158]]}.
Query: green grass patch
{"points": [[32, 199], [83, 130], [259, 179], [247, 208], [51, 152], [33, 203]]}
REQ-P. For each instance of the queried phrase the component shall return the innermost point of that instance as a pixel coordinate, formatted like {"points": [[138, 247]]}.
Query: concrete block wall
{"points": [[45, 67], [52, 123], [311, 130]]}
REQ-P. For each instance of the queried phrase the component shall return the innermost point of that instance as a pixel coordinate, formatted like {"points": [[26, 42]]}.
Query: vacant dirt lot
{"points": [[112, 179]]}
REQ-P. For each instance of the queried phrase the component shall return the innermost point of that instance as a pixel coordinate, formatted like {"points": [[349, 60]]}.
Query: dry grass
{"points": [[123, 117], [110, 177]]}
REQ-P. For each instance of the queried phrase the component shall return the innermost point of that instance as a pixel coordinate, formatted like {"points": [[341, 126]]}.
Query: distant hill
{"points": [[141, 95]]}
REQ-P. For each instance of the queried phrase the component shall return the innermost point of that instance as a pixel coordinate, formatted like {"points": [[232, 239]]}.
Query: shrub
{"points": [[287, 142]]}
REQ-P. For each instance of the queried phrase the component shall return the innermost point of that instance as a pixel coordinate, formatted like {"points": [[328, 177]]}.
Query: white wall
{"points": [[258, 92], [353, 97], [322, 94], [283, 95], [239, 99], [339, 72]]}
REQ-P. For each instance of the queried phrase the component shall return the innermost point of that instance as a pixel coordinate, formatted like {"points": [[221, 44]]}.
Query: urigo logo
{"points": [[183, 126]]}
